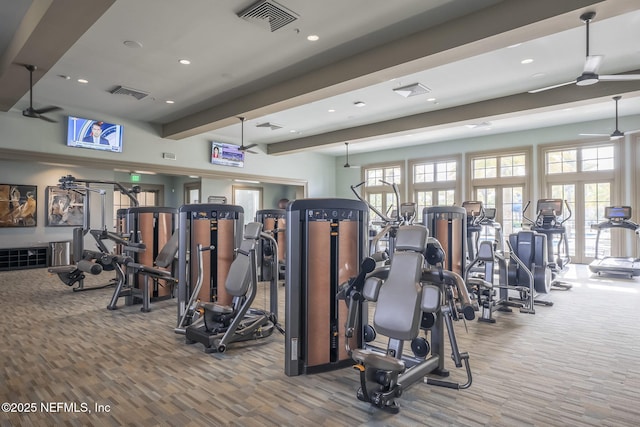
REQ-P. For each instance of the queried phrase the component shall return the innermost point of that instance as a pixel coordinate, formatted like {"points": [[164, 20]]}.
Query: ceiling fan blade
{"points": [[246, 147], [47, 109], [552, 87], [592, 63], [620, 77], [47, 119], [251, 151]]}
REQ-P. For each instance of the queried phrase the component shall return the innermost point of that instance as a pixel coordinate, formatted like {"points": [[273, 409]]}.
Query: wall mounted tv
{"points": [[226, 155], [94, 134]]}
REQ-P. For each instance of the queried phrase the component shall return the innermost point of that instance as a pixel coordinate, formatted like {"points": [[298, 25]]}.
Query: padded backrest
{"points": [[412, 238], [252, 231], [398, 310], [486, 255], [523, 244], [168, 252], [239, 276]]}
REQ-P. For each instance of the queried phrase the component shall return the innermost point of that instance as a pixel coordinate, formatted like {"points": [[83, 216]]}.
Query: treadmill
{"points": [[617, 217]]}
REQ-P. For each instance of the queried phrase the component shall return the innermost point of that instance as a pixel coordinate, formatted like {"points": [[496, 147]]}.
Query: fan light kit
{"points": [[592, 63]]}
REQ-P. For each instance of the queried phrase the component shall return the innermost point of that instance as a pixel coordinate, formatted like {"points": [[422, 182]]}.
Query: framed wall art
{"points": [[18, 205], [65, 208]]}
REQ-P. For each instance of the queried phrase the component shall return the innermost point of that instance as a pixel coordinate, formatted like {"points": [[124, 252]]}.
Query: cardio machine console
{"points": [[550, 207], [617, 213], [474, 209]]}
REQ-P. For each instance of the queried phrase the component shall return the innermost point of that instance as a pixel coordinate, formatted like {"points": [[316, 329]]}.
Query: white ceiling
{"points": [[461, 53]]}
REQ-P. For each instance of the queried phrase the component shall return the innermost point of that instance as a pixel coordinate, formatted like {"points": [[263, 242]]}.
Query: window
{"points": [[585, 175], [192, 193], [250, 198], [392, 175], [378, 194], [562, 161], [501, 180], [435, 182]]}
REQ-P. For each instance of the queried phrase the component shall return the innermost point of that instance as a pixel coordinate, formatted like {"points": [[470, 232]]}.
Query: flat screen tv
{"points": [[94, 134], [226, 155]]}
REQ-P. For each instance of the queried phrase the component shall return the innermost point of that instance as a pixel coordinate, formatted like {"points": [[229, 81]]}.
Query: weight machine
{"points": [[409, 298]]}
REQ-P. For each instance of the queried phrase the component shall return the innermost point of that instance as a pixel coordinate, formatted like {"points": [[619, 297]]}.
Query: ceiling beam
{"points": [[495, 27], [47, 30], [492, 109]]}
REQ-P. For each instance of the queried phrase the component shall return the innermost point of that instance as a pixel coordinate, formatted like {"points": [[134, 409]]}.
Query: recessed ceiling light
{"points": [[169, 101], [526, 61], [359, 104], [313, 38], [331, 110], [431, 99], [63, 76], [293, 131], [184, 61], [132, 44], [514, 45], [538, 75], [83, 81]]}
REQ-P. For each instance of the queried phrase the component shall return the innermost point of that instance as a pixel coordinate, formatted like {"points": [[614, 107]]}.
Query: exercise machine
{"points": [[210, 225], [88, 261], [409, 299], [448, 224], [389, 222], [156, 227], [550, 221], [618, 218], [475, 215], [273, 221], [496, 292], [220, 324], [326, 239]]}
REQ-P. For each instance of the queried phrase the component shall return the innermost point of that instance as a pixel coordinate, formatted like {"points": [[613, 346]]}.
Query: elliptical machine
{"points": [[550, 223], [405, 215]]}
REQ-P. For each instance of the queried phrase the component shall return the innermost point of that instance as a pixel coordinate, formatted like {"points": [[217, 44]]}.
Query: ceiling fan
{"points": [[592, 63], [32, 112], [347, 165], [616, 134], [243, 147]]}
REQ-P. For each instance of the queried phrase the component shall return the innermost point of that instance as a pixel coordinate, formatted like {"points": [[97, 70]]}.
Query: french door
{"points": [[587, 200]]}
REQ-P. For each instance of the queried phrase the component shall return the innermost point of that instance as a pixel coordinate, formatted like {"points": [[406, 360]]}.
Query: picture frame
{"points": [[18, 205], [65, 208]]}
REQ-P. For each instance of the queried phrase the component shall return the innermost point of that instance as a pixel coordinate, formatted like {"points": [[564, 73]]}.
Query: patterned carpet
{"points": [[574, 364]]}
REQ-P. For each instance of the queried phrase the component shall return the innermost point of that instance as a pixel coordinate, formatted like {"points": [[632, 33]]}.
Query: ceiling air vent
{"points": [[412, 90], [121, 90], [269, 14], [269, 125]]}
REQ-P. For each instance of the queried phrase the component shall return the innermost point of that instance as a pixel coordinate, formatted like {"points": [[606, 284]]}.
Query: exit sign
{"points": [[135, 177]]}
